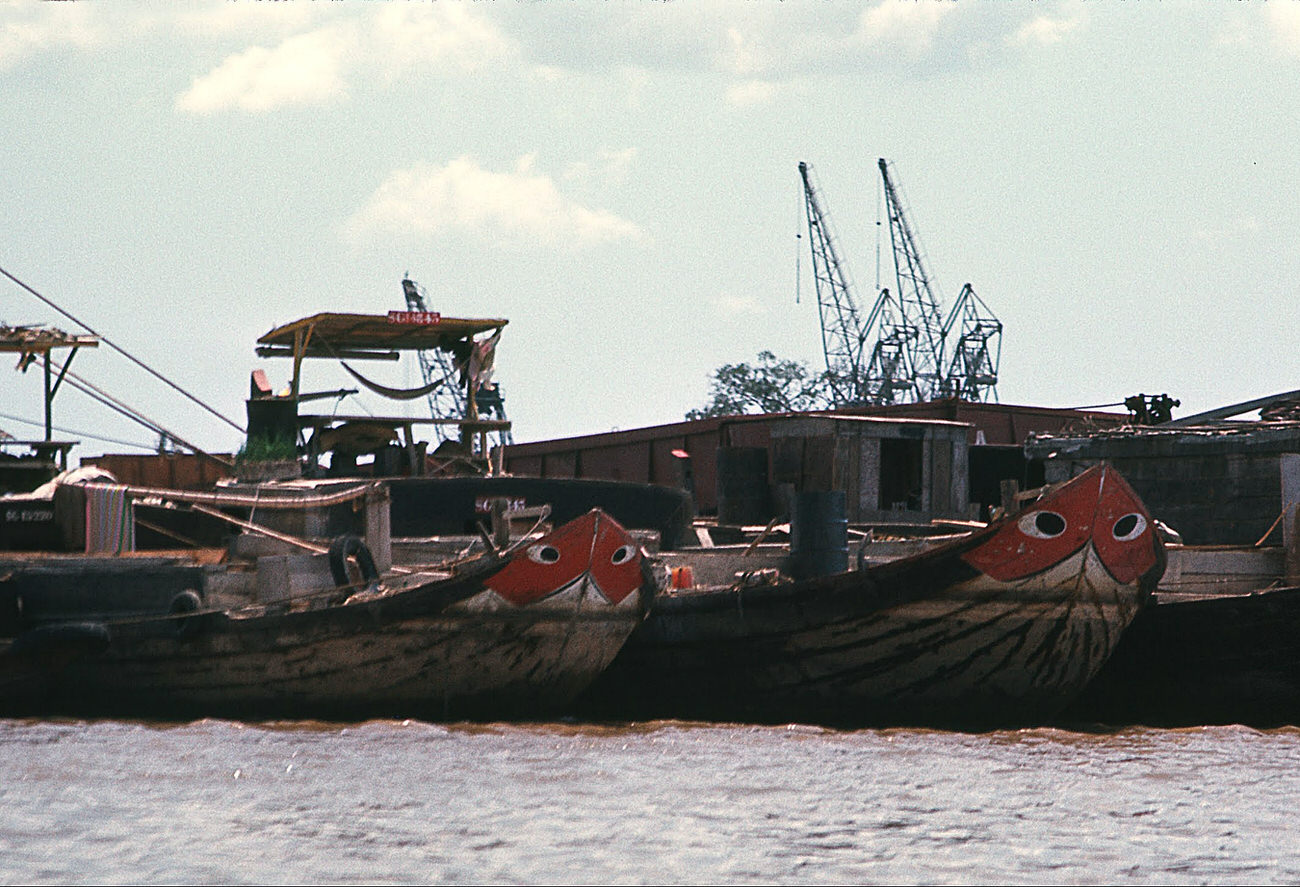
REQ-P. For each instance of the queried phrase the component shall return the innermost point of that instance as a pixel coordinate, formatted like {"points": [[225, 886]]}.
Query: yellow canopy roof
{"points": [[361, 335]]}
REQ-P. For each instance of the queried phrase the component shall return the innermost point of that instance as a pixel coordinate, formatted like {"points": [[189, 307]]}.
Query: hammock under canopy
{"points": [[393, 393]]}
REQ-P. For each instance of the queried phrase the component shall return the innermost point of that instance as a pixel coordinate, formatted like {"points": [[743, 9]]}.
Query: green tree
{"points": [[768, 386]]}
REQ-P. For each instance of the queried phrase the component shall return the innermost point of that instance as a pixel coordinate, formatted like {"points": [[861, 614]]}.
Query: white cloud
{"points": [[907, 26], [746, 53], [1044, 30], [28, 29], [732, 306], [521, 206], [305, 69], [750, 92], [770, 43], [313, 53], [242, 19], [403, 38], [1284, 22], [317, 66]]}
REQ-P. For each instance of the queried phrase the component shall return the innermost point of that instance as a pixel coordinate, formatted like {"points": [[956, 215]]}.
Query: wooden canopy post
{"points": [[49, 400]]}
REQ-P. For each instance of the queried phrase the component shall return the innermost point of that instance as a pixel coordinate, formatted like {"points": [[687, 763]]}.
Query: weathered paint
{"points": [[927, 639], [435, 647]]}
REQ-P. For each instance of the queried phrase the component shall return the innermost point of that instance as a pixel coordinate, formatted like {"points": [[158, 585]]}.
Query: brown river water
{"points": [[387, 802]]}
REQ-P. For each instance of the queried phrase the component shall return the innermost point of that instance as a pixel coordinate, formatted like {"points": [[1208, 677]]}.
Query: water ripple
{"points": [[402, 802]]}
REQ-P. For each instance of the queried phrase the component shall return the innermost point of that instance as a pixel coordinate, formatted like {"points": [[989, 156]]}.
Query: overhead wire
{"points": [[78, 433], [129, 412], [124, 353], [1098, 406]]}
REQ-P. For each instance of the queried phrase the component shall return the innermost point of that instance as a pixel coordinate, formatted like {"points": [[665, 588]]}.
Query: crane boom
{"points": [[843, 332], [917, 302], [972, 373], [445, 401]]}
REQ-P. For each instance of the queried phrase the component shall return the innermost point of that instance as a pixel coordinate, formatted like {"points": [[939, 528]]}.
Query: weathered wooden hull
{"points": [[930, 639], [447, 648], [1214, 659]]}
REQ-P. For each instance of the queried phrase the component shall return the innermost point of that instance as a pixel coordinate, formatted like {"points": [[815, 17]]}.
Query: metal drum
{"points": [[819, 534]]}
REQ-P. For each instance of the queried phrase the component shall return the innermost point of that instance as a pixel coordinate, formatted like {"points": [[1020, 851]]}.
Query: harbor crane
{"points": [[915, 354], [973, 370]]}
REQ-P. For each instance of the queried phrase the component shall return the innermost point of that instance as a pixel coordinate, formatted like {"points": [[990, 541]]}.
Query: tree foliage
{"points": [[768, 386]]}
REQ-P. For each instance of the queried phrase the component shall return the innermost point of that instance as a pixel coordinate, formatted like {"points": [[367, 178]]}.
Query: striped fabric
{"points": [[110, 520]]}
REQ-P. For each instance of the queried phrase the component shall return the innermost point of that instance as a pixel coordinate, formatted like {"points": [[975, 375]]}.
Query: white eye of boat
{"points": [[544, 554], [1129, 527], [1042, 524], [622, 555]]}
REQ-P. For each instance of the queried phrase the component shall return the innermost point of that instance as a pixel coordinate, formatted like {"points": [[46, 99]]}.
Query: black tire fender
{"points": [[342, 550], [187, 601]]}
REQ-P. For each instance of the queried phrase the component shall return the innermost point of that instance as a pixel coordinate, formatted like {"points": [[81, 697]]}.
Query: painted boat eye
{"points": [[622, 555], [1042, 524], [544, 554], [1129, 527]]}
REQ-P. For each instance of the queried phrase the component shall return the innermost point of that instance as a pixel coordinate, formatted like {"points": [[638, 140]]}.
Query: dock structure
{"points": [[19, 471], [716, 458]]}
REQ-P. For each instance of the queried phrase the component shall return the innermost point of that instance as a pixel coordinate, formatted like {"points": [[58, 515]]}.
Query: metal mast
{"points": [[884, 376], [843, 332], [969, 371], [447, 401]]}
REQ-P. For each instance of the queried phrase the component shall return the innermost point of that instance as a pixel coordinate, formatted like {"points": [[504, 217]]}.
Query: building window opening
{"points": [[900, 475]]}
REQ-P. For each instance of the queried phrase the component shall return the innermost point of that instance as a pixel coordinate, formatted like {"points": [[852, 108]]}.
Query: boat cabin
{"points": [[891, 470], [456, 355], [27, 465]]}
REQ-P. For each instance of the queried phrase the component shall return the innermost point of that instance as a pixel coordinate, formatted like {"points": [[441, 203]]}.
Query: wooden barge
{"points": [[1000, 627], [1221, 641], [319, 617], [509, 634]]}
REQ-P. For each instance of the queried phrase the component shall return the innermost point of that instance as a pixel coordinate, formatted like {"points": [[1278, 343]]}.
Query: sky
{"points": [[1116, 179]]}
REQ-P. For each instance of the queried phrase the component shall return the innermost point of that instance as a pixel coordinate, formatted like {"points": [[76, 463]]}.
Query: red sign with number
{"points": [[415, 318]]}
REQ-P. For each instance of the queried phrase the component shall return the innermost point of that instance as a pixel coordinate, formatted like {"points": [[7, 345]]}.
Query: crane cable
{"points": [[125, 354]]}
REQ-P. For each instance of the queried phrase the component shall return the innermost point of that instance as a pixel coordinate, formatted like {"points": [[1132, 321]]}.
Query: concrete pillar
{"points": [[379, 534], [1289, 469]]}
